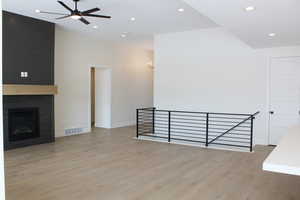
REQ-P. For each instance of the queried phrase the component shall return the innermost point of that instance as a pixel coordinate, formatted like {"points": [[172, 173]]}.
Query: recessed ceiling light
{"points": [[123, 35], [132, 18], [95, 27], [250, 8], [180, 9], [37, 11], [272, 34]]}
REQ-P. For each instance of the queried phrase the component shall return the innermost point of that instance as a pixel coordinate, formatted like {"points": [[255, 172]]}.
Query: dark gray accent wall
{"points": [[28, 46]]}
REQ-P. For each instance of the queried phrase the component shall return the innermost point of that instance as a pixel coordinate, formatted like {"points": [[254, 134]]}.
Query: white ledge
{"points": [[285, 158]]}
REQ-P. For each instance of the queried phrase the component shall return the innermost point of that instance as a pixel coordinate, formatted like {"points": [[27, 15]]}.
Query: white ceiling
{"points": [[271, 16], [152, 16], [161, 16]]}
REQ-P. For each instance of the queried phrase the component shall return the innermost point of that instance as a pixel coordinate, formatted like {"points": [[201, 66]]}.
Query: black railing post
{"points": [[251, 137], [153, 121], [169, 127], [207, 122], [137, 123]]}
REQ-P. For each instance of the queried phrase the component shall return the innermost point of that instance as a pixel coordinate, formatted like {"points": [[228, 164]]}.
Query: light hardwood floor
{"points": [[110, 164]]}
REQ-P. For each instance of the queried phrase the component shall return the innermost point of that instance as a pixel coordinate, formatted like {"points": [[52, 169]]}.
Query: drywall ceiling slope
{"points": [[270, 16], [152, 16]]}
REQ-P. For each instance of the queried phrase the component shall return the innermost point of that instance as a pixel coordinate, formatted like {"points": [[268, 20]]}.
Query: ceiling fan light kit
{"points": [[75, 17], [77, 14]]}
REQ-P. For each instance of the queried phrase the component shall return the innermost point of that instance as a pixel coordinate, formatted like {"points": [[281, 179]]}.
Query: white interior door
{"points": [[284, 96]]}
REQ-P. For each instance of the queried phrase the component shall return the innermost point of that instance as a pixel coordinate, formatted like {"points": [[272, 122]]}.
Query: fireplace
{"points": [[23, 124], [28, 120]]}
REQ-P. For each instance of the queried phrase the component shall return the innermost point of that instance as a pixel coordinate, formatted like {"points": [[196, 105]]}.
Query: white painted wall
{"points": [[211, 70], [103, 97], [2, 188], [74, 55], [131, 79], [132, 84]]}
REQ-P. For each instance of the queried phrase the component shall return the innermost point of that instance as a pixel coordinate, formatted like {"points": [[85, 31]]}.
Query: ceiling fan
{"points": [[76, 14]]}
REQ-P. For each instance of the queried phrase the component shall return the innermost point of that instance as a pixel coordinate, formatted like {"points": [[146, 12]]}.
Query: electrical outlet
{"points": [[24, 74]]}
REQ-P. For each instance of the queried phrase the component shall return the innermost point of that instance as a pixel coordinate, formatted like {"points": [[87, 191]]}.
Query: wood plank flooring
{"points": [[111, 165]]}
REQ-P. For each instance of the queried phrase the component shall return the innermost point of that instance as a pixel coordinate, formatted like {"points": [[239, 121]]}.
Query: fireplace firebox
{"points": [[23, 123]]}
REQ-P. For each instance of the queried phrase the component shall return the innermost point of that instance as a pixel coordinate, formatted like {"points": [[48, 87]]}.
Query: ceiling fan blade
{"points": [[101, 16], [90, 11], [84, 21], [66, 16], [64, 5], [52, 13]]}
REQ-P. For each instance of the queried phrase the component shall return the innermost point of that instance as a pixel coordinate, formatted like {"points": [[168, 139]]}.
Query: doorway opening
{"points": [[100, 97], [284, 97]]}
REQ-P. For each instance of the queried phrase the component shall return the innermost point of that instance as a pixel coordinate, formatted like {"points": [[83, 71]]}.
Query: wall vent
{"points": [[74, 131]]}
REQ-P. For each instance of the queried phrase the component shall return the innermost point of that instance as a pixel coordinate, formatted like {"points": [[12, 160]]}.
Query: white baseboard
{"points": [[102, 126], [123, 124]]}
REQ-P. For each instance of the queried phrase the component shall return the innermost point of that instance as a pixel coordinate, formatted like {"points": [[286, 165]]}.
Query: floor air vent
{"points": [[73, 131]]}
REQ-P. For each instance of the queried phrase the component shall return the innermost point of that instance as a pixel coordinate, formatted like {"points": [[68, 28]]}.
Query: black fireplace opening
{"points": [[23, 124]]}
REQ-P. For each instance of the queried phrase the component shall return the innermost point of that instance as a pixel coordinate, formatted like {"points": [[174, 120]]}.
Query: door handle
{"points": [[272, 112]]}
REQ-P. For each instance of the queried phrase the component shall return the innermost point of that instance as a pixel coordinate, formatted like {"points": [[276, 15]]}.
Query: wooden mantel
{"points": [[17, 89]]}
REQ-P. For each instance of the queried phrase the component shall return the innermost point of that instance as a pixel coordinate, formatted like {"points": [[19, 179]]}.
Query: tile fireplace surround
{"points": [[30, 128]]}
